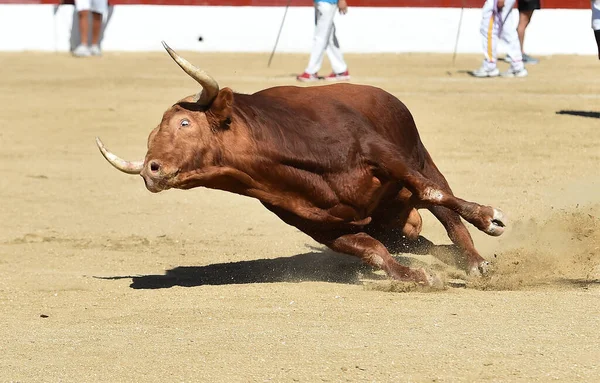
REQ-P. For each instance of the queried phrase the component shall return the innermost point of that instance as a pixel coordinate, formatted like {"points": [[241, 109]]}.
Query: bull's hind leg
{"points": [[398, 224], [374, 253], [407, 218], [413, 225]]}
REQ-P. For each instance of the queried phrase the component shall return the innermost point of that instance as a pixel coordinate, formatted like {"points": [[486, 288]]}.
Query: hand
{"points": [[343, 6]]}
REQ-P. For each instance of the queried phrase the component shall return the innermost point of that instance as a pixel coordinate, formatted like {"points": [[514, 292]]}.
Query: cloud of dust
{"points": [[561, 249], [558, 248]]}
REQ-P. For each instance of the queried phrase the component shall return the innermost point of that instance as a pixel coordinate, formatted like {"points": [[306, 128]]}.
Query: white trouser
{"points": [[97, 6], [596, 15], [495, 25], [325, 40]]}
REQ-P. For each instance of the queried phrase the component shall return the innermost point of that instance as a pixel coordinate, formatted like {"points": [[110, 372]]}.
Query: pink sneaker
{"points": [[307, 77], [344, 76]]}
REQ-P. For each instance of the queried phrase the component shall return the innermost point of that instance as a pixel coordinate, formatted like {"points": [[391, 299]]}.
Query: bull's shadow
{"points": [[321, 265], [313, 266]]}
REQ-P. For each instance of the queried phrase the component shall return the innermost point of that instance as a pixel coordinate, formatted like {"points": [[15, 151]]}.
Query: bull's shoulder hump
{"points": [[339, 88]]}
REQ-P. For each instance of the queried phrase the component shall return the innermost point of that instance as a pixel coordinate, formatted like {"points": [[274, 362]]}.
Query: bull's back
{"points": [[352, 105]]}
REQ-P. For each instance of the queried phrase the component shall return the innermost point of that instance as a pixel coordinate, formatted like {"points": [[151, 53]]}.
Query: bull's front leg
{"points": [[485, 218], [474, 263], [374, 253], [427, 193]]}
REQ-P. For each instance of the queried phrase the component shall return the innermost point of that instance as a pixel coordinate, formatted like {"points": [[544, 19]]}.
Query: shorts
{"points": [[97, 6], [528, 5], [596, 15]]}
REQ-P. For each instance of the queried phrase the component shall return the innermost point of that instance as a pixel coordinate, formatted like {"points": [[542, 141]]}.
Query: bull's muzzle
{"points": [[156, 177]]}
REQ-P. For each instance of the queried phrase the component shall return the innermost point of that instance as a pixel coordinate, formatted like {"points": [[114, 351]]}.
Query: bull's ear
{"points": [[221, 107]]}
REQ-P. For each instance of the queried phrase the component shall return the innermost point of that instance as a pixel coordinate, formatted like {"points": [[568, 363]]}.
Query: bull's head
{"points": [[181, 144]]}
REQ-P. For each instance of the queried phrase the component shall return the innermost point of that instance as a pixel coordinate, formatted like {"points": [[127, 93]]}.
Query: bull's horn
{"points": [[210, 88], [134, 167]]}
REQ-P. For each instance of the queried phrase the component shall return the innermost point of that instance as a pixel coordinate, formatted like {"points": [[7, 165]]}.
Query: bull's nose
{"points": [[154, 167], [158, 176]]}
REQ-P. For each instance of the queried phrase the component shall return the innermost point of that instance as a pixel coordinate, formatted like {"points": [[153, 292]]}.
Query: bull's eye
{"points": [[185, 122]]}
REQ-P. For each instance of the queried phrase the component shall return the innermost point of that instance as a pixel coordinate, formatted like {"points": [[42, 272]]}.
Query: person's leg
{"points": [[320, 39], [597, 35], [96, 27], [508, 33], [324, 13], [526, 10], [99, 8], [83, 13], [524, 20], [335, 55], [489, 40], [84, 26]]}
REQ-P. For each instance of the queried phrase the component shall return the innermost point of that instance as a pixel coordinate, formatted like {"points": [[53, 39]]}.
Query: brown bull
{"points": [[343, 163]]}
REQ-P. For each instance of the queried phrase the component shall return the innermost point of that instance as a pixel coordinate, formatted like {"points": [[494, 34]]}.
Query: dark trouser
{"points": [[597, 35]]}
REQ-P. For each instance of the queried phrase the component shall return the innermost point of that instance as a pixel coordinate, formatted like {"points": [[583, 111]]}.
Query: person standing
{"points": [[325, 41], [496, 24], [97, 8]]}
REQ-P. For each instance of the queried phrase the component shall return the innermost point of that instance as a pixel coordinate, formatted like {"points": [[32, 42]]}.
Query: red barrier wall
{"points": [[568, 4]]}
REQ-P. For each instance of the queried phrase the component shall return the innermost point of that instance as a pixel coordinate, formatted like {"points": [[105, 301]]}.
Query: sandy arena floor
{"points": [[102, 281]]}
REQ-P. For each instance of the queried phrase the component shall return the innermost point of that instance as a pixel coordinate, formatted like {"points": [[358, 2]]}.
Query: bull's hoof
{"points": [[429, 279], [497, 223], [479, 269], [419, 277]]}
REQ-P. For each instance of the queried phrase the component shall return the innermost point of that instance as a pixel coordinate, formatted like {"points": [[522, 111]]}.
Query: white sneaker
{"points": [[483, 72], [95, 50], [82, 51], [515, 73]]}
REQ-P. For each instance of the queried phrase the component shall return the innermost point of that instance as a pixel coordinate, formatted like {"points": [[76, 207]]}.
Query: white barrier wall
{"points": [[254, 29]]}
